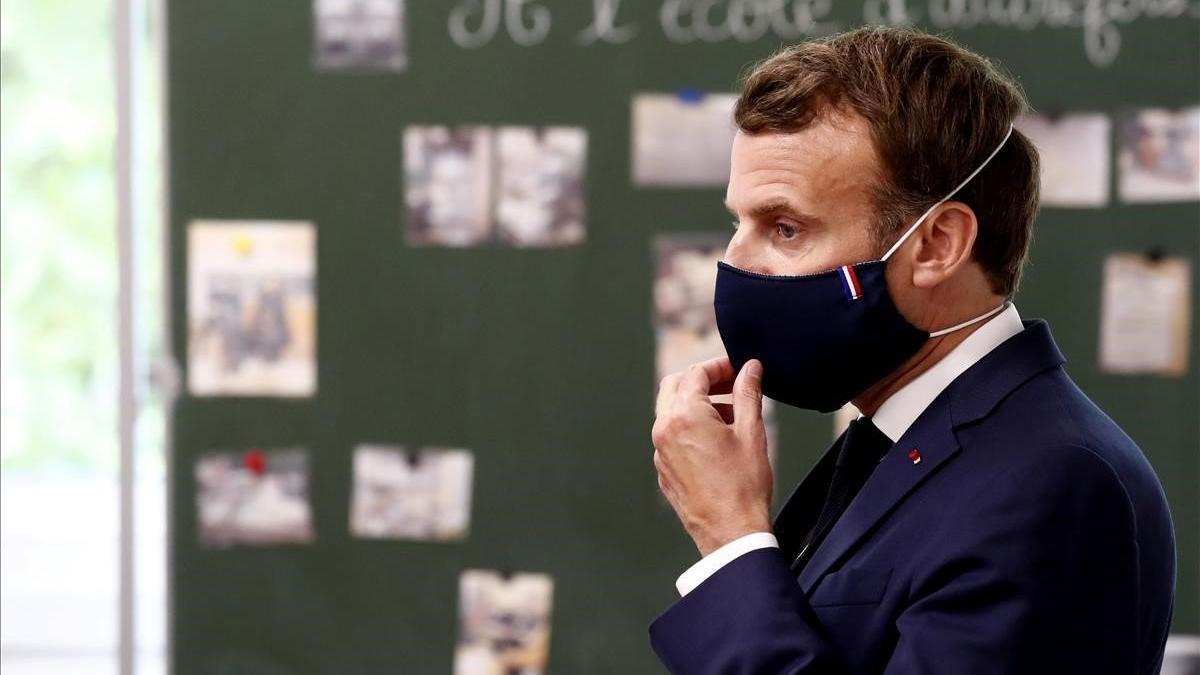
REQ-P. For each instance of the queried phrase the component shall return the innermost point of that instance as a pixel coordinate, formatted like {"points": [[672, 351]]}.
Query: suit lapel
{"points": [[896, 476], [972, 396]]}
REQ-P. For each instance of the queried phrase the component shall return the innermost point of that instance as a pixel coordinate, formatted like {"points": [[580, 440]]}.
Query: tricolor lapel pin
{"points": [[914, 456]]}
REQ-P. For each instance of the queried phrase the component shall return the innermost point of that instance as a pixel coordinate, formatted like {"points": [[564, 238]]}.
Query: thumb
{"points": [[747, 397]]}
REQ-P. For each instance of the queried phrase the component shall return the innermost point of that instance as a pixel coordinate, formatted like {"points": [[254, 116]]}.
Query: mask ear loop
{"points": [[971, 322], [943, 200]]}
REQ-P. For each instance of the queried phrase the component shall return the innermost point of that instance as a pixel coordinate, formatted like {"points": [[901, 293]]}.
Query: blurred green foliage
{"points": [[58, 256]]}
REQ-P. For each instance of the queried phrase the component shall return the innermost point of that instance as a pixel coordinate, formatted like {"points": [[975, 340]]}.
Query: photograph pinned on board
{"points": [[682, 139], [254, 498], [474, 185], [403, 493], [1074, 152], [1145, 314], [360, 35], [1159, 155], [504, 623], [251, 308], [448, 185], [540, 183], [685, 324]]}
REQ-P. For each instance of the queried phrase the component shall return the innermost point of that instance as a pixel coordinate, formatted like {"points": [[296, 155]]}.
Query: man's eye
{"points": [[786, 230]]}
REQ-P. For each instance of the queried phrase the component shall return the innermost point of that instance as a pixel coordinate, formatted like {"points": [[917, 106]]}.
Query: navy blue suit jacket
{"points": [[1032, 537]]}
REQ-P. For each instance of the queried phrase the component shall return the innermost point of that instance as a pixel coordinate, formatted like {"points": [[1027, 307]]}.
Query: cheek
{"points": [[904, 295], [827, 248], [757, 250], [806, 254], [811, 252]]}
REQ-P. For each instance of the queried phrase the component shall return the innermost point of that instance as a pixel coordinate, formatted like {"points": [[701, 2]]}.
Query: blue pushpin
{"points": [[690, 95]]}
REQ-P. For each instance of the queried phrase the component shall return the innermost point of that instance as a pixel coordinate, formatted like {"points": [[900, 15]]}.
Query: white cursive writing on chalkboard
{"points": [[525, 28], [475, 23], [1099, 19], [604, 28], [685, 21]]}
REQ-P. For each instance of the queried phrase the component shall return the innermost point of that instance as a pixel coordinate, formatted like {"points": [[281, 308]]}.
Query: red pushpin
{"points": [[914, 456], [255, 461]]}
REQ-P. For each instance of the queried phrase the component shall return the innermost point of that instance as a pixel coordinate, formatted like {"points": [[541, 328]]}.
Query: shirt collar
{"points": [[901, 409]]}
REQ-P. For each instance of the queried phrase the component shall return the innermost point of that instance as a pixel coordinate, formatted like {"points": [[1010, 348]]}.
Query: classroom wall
{"points": [[540, 360]]}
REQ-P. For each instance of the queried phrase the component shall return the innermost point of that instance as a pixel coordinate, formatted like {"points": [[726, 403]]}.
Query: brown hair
{"points": [[935, 111]]}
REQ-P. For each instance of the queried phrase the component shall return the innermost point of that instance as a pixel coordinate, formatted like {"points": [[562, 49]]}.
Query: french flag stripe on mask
{"points": [[851, 279]]}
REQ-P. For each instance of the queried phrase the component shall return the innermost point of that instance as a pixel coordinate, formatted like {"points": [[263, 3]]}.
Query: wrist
{"points": [[715, 540]]}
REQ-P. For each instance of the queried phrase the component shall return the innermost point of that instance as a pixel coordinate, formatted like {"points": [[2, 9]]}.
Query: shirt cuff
{"points": [[709, 564]]}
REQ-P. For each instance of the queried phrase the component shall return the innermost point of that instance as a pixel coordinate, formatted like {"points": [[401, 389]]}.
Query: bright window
{"points": [[59, 357]]}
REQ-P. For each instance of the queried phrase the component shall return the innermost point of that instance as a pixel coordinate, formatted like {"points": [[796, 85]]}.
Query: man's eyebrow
{"points": [[774, 207]]}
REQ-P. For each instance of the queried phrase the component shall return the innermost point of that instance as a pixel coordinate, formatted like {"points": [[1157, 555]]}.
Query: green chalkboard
{"points": [[541, 360]]}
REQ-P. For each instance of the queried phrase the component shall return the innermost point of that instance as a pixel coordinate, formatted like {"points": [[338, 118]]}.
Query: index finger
{"points": [[714, 376]]}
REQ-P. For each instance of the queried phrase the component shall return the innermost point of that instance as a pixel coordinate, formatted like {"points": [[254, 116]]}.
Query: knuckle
{"points": [[669, 423], [659, 434], [677, 424]]}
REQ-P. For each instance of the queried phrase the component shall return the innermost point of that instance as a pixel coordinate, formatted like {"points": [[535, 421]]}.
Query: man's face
{"points": [[801, 200]]}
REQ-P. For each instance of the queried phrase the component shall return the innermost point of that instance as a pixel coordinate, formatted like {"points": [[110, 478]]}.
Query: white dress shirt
{"points": [[893, 418]]}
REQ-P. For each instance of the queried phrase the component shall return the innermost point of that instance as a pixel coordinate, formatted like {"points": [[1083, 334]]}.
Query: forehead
{"points": [[832, 159]]}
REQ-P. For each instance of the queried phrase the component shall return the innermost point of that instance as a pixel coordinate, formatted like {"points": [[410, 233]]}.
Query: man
{"points": [[982, 516]]}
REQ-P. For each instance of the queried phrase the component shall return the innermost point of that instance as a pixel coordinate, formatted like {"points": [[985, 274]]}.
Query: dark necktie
{"points": [[863, 446]]}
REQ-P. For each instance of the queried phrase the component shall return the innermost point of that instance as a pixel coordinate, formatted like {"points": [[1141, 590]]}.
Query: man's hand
{"points": [[712, 457]]}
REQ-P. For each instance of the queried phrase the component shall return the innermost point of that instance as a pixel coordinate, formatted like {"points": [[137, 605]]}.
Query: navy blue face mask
{"points": [[822, 338]]}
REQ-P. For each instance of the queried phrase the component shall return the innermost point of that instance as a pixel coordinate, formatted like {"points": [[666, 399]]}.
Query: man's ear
{"points": [[944, 244]]}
